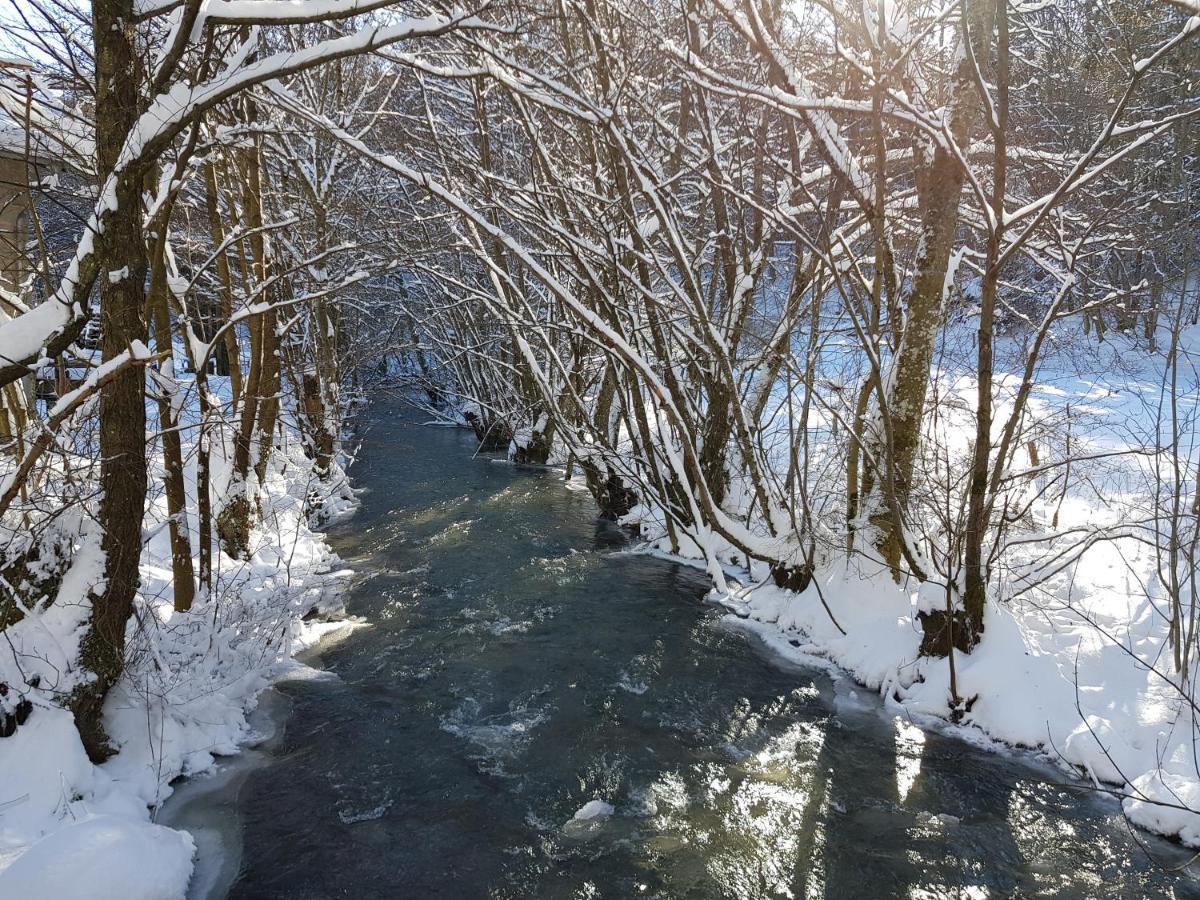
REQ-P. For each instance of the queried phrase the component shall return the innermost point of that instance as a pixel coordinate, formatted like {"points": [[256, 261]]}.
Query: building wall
{"points": [[14, 229]]}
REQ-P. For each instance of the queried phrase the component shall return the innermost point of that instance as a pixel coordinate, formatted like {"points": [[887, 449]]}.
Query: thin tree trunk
{"points": [[182, 572], [975, 576], [235, 518], [226, 278], [939, 187]]}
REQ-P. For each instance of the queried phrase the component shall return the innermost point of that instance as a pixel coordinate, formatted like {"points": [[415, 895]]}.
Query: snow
{"points": [[1166, 805], [1074, 664], [23, 337], [277, 11], [69, 828], [47, 753], [1023, 676], [103, 857], [593, 809]]}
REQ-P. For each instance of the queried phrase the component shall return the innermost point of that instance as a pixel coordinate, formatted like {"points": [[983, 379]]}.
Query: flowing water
{"points": [[519, 666]]}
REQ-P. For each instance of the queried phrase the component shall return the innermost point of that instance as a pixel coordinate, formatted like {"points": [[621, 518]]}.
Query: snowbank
{"points": [[1075, 661], [103, 857], [71, 829], [1041, 678]]}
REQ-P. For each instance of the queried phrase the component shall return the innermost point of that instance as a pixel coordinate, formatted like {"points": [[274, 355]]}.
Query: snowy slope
{"points": [[71, 829]]}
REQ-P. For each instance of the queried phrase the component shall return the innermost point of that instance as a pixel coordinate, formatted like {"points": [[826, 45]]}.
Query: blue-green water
{"points": [[519, 666]]}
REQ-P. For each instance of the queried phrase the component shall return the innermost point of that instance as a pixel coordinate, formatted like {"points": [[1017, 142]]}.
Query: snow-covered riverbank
{"points": [[69, 828], [1075, 660], [1042, 679]]}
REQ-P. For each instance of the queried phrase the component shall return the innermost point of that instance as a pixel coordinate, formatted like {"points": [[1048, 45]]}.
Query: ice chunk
{"points": [[593, 809]]}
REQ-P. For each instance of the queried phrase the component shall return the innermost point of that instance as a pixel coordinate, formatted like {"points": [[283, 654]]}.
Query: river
{"points": [[520, 667]]}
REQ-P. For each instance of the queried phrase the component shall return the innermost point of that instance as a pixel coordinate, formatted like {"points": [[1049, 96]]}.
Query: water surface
{"points": [[519, 667]]}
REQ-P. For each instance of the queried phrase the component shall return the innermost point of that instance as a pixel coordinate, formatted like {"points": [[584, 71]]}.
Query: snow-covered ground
{"points": [[1041, 678], [71, 829], [1077, 666]]}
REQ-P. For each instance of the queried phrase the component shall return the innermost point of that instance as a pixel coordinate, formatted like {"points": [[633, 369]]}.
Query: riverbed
{"points": [[534, 712]]}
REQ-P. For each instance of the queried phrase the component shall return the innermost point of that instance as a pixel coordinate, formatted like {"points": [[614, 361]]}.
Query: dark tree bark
{"points": [[121, 256]]}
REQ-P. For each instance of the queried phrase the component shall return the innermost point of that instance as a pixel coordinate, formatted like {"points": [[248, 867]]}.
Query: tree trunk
{"points": [[979, 502], [230, 355], [182, 573], [939, 187], [235, 518], [121, 257]]}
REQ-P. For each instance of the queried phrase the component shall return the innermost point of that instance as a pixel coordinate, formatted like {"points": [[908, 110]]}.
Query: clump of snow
{"points": [[589, 820], [593, 809], [47, 756], [1165, 803], [366, 815]]}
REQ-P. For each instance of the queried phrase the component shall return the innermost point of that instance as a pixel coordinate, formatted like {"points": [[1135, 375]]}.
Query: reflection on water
{"points": [[517, 673], [910, 744]]}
